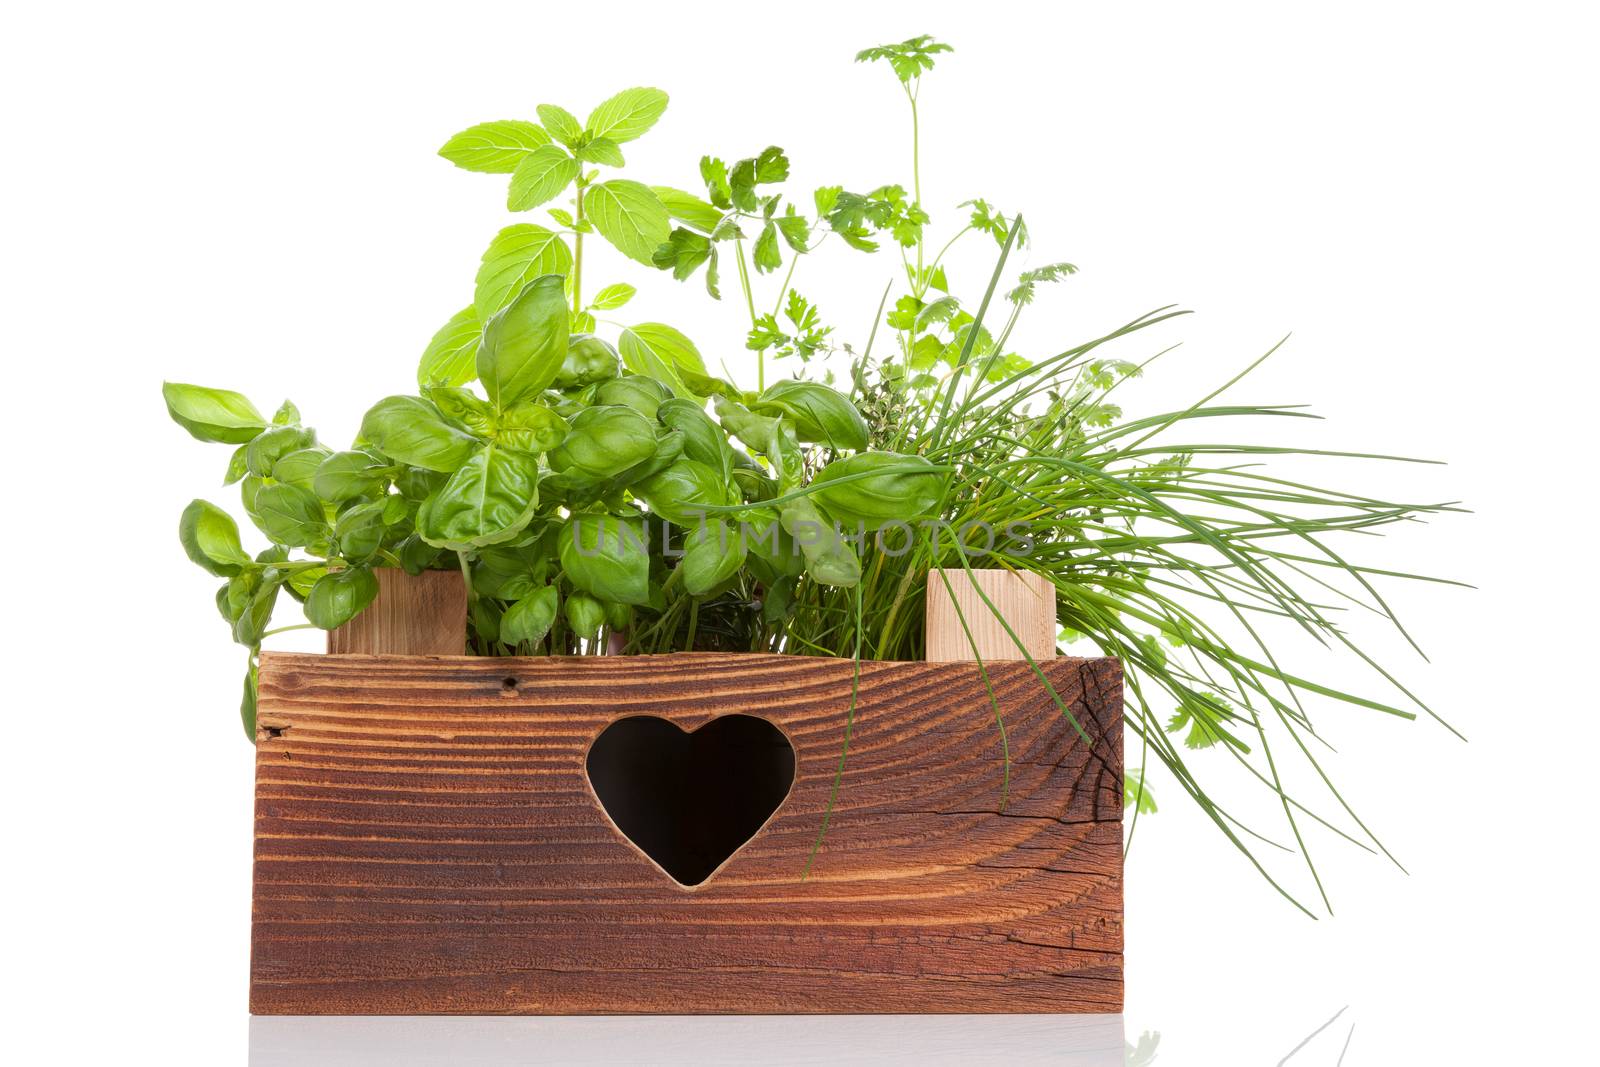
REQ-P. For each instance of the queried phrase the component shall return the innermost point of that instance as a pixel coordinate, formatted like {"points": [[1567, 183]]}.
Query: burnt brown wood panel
{"points": [[427, 841]]}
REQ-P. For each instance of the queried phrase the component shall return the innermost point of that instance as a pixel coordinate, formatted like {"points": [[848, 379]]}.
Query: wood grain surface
{"points": [[413, 615], [427, 841], [964, 627]]}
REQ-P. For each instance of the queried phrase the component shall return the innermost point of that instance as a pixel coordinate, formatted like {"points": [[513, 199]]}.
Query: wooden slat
{"points": [[1026, 601], [421, 615], [427, 841]]}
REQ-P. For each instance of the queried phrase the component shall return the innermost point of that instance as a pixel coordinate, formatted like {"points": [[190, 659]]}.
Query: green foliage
{"points": [[569, 467], [909, 59]]}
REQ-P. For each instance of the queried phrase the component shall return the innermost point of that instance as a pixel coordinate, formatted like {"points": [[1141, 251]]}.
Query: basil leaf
{"points": [[289, 515], [628, 215], [585, 616], [643, 394], [530, 618], [451, 356], [494, 147], [829, 560], [589, 360], [210, 538], [410, 430], [247, 706], [605, 556], [626, 115], [517, 255], [531, 427], [818, 413], [300, 466], [882, 487], [340, 596], [713, 554], [605, 441], [345, 476], [683, 491], [416, 555], [212, 414], [703, 440], [359, 530], [488, 501], [540, 177], [524, 343], [238, 465], [253, 601], [270, 445], [463, 406]]}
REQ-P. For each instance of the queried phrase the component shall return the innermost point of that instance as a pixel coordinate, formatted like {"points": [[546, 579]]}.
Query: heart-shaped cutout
{"points": [[689, 801]]}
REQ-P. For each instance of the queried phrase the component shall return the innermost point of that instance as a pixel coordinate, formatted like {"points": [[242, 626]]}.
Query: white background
{"points": [[249, 197]]}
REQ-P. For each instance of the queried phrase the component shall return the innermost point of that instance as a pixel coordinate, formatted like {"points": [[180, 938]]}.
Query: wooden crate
{"points": [[428, 840]]}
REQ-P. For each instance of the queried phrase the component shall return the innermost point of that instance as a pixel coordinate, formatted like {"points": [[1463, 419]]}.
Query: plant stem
{"points": [[783, 290], [916, 165], [750, 305], [577, 255], [295, 626]]}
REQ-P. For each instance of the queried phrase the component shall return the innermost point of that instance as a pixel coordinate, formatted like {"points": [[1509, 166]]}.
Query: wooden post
{"points": [[425, 615], [1026, 601]]}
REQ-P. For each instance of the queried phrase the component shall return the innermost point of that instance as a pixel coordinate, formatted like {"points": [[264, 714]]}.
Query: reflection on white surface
{"points": [[483, 1041]]}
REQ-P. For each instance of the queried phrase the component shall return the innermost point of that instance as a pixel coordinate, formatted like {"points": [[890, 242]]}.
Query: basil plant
{"points": [[590, 500]]}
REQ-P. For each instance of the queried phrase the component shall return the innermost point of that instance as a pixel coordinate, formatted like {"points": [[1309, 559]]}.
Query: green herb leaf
{"points": [[517, 255], [605, 441], [212, 414], [713, 554], [274, 443], [909, 59], [681, 493], [829, 559], [488, 501], [602, 150], [585, 616], [875, 488], [531, 427], [561, 124], [411, 430], [688, 208], [494, 147], [528, 620], [817, 412], [606, 556], [524, 343], [346, 476], [714, 172], [289, 515], [340, 596], [658, 350], [612, 297], [765, 255], [450, 358], [210, 538], [630, 216], [540, 177], [1136, 794], [627, 115]]}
